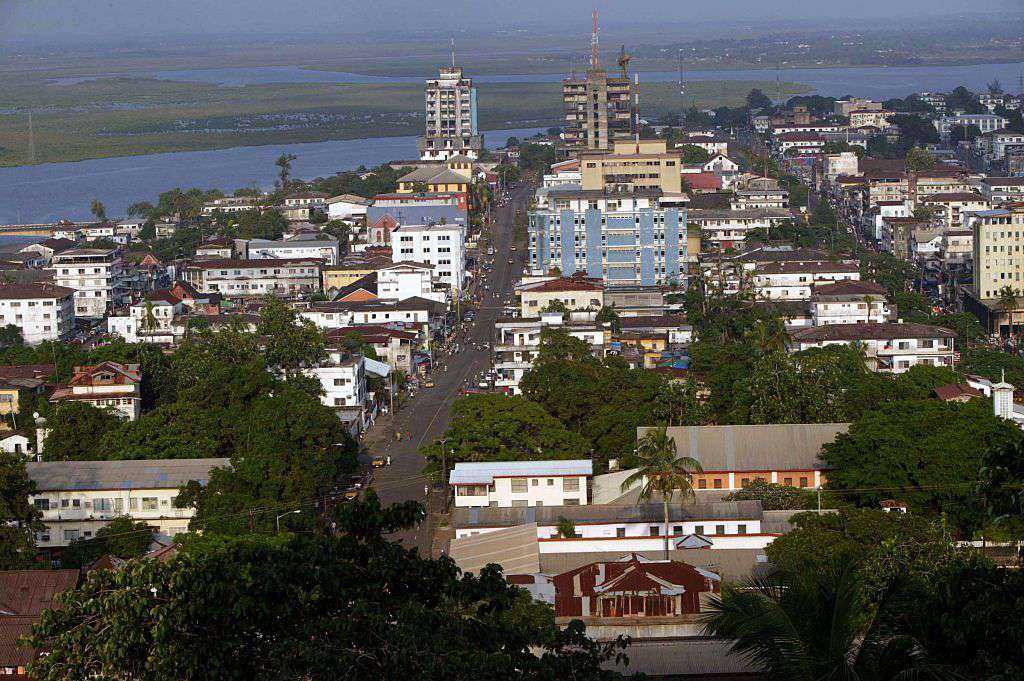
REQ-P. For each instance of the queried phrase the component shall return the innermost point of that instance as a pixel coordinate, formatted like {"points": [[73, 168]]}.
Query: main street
{"points": [[424, 418]]}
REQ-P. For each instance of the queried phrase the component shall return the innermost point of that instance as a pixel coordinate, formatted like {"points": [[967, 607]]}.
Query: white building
{"points": [[442, 246], [78, 498], [795, 280], [407, 280], [508, 484], [418, 314], [343, 378], [96, 275], [347, 207], [518, 344], [42, 312], [326, 250], [849, 302], [238, 277], [233, 204], [984, 122], [451, 117], [728, 228], [892, 347], [1003, 189], [752, 199], [874, 219], [151, 320]]}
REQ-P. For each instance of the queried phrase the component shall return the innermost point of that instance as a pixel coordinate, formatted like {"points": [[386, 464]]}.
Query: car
{"points": [[429, 383], [513, 248], [510, 261], [378, 462]]}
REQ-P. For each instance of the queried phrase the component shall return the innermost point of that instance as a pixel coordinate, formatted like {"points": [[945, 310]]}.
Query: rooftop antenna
{"points": [[682, 90], [31, 140], [572, 67], [624, 58], [595, 57], [453, 52], [636, 110]]}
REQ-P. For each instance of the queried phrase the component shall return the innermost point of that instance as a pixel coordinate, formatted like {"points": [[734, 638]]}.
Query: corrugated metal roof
{"points": [[686, 657], [788, 446], [515, 549], [485, 472], [625, 513], [130, 474]]}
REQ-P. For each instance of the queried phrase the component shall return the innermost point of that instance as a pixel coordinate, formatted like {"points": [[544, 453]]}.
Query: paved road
{"points": [[425, 417]]}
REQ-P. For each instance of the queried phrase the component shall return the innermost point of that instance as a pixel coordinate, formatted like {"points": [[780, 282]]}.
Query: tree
{"points": [[804, 626], [661, 472], [919, 159], [774, 497], [758, 100], [694, 155], [98, 210], [76, 431], [18, 519], [566, 528], [502, 428], [291, 343], [993, 365], [352, 605], [927, 453], [284, 170], [10, 335], [121, 537], [1008, 303], [609, 315]]}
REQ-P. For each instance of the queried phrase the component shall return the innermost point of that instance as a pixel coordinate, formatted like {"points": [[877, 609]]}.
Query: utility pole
{"points": [[31, 140]]}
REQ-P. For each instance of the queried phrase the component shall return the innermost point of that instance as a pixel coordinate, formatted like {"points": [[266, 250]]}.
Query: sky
{"points": [[108, 19]]}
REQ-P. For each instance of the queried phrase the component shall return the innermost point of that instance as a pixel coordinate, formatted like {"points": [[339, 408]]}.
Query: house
{"points": [[16, 444], [95, 274], [732, 457], [233, 204], [24, 596], [632, 586], [892, 347], [325, 250], [752, 199], [407, 279], [508, 484], [394, 347], [18, 379], [240, 277], [432, 180], [575, 293], [355, 266], [728, 228], [952, 207], [794, 280], [957, 392], [150, 320], [215, 249], [343, 378], [850, 302], [359, 290], [347, 207], [984, 122], [711, 142], [107, 385], [1003, 189], [41, 312], [46, 249], [518, 343], [78, 498]]}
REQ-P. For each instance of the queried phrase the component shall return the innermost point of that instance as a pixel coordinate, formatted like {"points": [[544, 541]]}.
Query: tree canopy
{"points": [[18, 519]]}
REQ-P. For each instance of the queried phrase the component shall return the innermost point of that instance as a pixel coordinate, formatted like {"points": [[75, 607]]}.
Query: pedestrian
{"points": [[388, 460], [426, 490]]}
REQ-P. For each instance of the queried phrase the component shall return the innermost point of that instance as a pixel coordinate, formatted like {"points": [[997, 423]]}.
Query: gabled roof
{"points": [[485, 472], [564, 284], [124, 474], [29, 592], [124, 374], [806, 266], [955, 391], [849, 287], [33, 291]]}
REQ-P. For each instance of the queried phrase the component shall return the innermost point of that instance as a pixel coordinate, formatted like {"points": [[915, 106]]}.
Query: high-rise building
{"points": [[451, 117], [598, 107], [998, 258]]}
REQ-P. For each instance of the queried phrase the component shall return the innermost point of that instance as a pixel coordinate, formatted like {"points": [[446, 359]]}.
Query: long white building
{"points": [[78, 498], [96, 275], [510, 484]]}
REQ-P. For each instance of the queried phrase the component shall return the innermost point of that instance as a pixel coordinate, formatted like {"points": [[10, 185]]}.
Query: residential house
{"points": [[794, 280], [238, 277], [18, 379], [215, 249], [233, 204], [507, 484], [954, 206], [1003, 189], [24, 596], [850, 302], [407, 279], [78, 498], [518, 343], [108, 385], [575, 293], [46, 249], [347, 207], [892, 347]]}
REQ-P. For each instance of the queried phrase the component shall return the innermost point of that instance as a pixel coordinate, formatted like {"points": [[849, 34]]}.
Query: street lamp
{"points": [[277, 520]]}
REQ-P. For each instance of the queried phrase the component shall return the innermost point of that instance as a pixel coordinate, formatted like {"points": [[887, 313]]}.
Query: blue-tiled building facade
{"points": [[637, 243]]}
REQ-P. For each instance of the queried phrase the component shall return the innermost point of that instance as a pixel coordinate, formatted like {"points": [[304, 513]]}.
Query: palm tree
{"points": [[815, 625], [661, 472], [1008, 303]]}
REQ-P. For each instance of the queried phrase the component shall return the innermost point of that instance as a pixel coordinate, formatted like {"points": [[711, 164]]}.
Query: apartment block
{"points": [[96, 275], [510, 484], [42, 312], [451, 117]]}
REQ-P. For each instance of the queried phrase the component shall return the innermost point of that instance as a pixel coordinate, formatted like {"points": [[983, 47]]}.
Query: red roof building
{"points": [[703, 182], [632, 587], [24, 595]]}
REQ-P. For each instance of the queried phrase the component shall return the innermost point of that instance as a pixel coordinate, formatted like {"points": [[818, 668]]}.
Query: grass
{"points": [[128, 116]]}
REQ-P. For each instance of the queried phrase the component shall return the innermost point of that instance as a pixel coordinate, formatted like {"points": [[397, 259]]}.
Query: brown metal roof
{"points": [[515, 549]]}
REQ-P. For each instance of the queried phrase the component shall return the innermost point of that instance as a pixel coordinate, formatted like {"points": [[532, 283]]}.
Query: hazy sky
{"points": [[111, 18]]}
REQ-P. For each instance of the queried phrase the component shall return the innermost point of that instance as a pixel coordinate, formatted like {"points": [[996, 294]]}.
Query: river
{"points": [[53, 191]]}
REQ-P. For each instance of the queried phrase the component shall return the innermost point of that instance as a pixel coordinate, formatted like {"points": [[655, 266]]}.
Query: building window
{"points": [[519, 485], [719, 529], [149, 503], [698, 529], [572, 502], [620, 531], [570, 484], [677, 529], [718, 483], [518, 503], [702, 484], [654, 530], [70, 535], [551, 482], [534, 482], [741, 529], [42, 504]]}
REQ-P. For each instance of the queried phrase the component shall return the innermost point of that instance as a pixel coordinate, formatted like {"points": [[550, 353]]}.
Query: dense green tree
{"points": [[10, 336], [122, 537], [927, 453], [919, 159], [98, 210], [775, 497], [678, 403], [502, 428], [291, 343], [347, 606], [76, 432], [609, 315], [694, 155], [18, 519], [757, 100], [993, 364], [964, 100]]}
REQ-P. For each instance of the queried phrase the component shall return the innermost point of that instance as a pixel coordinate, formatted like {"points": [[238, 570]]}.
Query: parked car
{"points": [[378, 462]]}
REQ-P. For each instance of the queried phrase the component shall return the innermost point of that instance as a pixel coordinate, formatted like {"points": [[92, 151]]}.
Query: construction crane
{"points": [[624, 58]]}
